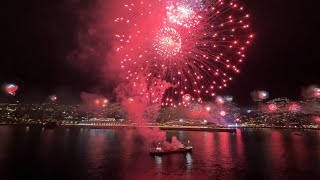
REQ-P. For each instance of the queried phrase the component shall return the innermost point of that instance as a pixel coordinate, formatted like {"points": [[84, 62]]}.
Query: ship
{"points": [[160, 151]]}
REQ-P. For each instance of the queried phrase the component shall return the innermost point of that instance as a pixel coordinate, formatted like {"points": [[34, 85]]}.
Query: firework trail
{"points": [[195, 45]]}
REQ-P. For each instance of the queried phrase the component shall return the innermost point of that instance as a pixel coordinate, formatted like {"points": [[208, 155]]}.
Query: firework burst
{"points": [[182, 14], [167, 42], [195, 45]]}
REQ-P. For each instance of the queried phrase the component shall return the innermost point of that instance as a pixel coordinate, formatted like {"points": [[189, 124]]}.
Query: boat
{"points": [[159, 151]]}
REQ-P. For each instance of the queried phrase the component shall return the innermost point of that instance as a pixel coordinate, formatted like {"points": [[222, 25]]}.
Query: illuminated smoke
{"points": [[311, 92], [142, 110], [259, 95]]}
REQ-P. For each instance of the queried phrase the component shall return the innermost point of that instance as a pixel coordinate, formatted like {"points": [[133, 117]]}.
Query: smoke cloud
{"points": [[311, 92], [96, 56]]}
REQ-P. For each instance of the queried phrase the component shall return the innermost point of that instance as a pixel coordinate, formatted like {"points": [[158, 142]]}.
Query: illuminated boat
{"points": [[159, 151]]}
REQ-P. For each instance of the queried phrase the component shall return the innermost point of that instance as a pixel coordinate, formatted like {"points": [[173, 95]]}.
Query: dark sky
{"points": [[37, 36]]}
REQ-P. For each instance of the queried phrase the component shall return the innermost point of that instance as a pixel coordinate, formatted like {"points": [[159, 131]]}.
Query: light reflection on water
{"points": [[158, 162], [119, 154], [189, 161]]}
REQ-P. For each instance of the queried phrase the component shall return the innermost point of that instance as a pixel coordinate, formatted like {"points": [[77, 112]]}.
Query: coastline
{"points": [[168, 128], [184, 128]]}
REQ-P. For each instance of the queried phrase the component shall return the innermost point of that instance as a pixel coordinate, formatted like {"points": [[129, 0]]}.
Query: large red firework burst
{"points": [[195, 45]]}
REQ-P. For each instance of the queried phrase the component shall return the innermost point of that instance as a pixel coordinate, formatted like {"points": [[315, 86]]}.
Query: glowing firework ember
{"points": [[263, 95], [259, 95], [131, 99], [12, 89], [273, 107], [229, 98], [219, 100], [317, 92], [223, 113], [195, 46], [101, 102], [53, 98], [187, 97], [311, 92]]}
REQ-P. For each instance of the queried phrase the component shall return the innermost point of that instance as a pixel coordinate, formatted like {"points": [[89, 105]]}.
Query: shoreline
{"points": [[169, 128], [209, 129]]}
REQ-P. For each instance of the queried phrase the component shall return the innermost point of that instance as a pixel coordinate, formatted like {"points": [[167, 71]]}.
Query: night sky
{"points": [[38, 37]]}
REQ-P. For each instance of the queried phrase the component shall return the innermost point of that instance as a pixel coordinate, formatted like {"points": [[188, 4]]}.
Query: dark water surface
{"points": [[35, 153]]}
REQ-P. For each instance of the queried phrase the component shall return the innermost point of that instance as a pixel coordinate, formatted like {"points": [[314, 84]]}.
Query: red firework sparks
{"points": [[11, 89], [195, 46], [101, 102], [167, 42], [183, 15]]}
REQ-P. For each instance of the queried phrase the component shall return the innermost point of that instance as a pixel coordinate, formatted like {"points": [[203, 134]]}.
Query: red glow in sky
{"points": [[193, 46], [317, 92]]}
